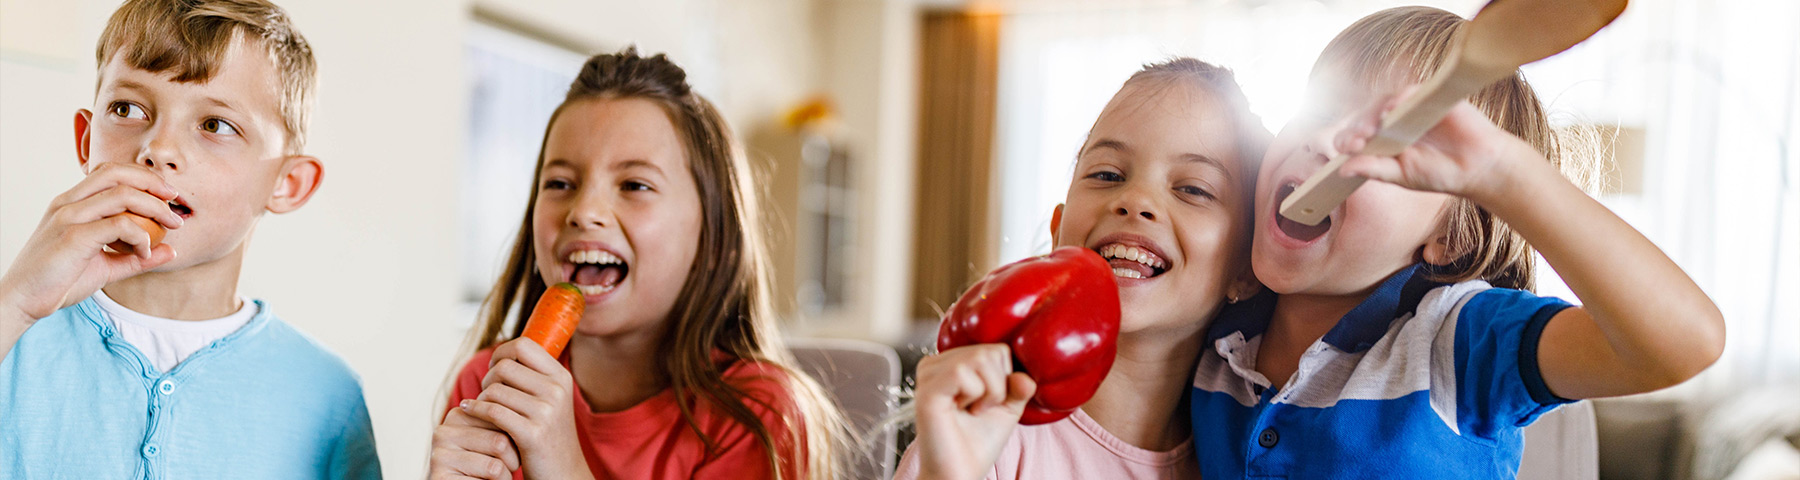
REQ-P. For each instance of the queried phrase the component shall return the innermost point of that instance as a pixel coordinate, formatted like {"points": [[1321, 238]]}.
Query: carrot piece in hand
{"points": [[155, 229], [554, 319]]}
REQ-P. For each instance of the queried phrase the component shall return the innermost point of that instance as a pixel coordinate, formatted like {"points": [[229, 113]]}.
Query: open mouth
{"points": [[180, 208], [596, 271], [1128, 261], [1297, 230]]}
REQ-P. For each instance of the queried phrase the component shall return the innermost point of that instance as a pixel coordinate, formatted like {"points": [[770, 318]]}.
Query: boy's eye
{"points": [[634, 186], [214, 125], [1106, 176], [128, 110]]}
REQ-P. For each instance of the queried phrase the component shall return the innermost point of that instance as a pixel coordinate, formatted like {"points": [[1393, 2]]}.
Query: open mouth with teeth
{"points": [[1132, 262], [596, 271], [1297, 230]]}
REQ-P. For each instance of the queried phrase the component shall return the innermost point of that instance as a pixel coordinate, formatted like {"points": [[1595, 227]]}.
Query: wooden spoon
{"points": [[1505, 35]]}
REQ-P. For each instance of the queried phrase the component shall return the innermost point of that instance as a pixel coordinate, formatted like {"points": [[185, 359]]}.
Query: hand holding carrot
{"points": [[466, 448], [66, 259], [530, 397], [526, 399]]}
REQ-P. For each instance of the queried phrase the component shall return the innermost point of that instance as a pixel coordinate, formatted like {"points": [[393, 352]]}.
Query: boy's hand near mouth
{"points": [[65, 260], [142, 363]]}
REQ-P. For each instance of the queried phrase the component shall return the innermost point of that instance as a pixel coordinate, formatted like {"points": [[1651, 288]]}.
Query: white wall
{"points": [[370, 266]]}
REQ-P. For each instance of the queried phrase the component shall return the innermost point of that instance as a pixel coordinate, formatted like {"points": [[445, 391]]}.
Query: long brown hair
{"points": [[1410, 44], [724, 303]]}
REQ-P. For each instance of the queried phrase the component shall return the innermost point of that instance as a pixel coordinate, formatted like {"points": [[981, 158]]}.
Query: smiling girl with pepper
{"points": [[1162, 191]]}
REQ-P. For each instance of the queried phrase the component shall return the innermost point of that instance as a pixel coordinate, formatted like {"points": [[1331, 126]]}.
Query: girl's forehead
{"points": [[609, 131], [1166, 119]]}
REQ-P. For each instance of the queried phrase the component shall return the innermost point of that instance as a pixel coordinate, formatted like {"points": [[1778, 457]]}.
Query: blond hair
{"points": [[724, 302], [1409, 44], [190, 38]]}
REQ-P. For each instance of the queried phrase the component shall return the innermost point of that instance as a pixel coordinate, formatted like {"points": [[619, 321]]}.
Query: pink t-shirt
{"points": [[1075, 448]]}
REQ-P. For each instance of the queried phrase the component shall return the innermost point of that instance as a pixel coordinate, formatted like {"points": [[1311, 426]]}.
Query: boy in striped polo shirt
{"points": [[1400, 339]]}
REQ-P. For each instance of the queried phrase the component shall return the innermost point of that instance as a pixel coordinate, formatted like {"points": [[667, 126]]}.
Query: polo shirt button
{"points": [[150, 450], [166, 387], [1268, 438]]}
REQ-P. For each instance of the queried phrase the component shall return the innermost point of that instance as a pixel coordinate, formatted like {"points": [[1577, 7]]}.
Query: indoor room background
{"points": [[906, 147]]}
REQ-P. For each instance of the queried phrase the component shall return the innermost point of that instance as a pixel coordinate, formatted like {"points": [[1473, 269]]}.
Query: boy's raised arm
{"points": [[1644, 324]]}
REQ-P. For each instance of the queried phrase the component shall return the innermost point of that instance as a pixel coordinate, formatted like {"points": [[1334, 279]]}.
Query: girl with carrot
{"points": [[675, 370]]}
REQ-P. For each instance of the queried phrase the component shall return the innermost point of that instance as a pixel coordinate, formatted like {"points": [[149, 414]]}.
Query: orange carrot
{"points": [[554, 319], [155, 229]]}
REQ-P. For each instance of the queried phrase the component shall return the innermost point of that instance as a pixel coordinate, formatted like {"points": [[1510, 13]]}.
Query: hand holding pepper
{"points": [[1058, 313]]}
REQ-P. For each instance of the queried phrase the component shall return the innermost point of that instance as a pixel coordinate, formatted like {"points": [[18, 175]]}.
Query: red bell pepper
{"points": [[1060, 315]]}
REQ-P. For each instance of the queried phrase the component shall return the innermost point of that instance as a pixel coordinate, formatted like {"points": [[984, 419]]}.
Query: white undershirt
{"points": [[167, 342]]}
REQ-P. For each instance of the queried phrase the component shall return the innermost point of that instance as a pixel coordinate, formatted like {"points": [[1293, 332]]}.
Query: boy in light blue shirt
{"points": [[125, 353]]}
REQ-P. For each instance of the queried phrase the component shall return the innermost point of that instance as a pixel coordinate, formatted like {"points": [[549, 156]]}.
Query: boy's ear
{"points": [[1437, 251], [300, 177], [1056, 226], [83, 124]]}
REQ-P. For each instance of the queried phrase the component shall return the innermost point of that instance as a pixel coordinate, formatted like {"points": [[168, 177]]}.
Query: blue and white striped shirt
{"points": [[1420, 380]]}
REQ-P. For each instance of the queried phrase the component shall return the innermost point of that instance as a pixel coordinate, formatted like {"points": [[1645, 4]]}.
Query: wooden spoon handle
{"points": [[1505, 35]]}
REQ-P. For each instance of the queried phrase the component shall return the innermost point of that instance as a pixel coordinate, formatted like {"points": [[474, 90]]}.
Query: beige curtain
{"points": [[959, 59]]}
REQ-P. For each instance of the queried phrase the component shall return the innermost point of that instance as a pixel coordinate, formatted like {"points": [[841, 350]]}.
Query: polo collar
{"points": [[1358, 330]]}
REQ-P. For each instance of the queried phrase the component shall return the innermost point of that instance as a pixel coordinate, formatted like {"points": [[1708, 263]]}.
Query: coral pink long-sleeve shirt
{"points": [[651, 441]]}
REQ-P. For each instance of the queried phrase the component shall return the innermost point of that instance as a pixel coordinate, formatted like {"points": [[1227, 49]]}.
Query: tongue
{"points": [[598, 275], [1142, 269], [1302, 231], [1297, 230]]}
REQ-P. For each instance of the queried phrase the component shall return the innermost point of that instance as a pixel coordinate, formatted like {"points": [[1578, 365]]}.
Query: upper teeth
{"points": [[1135, 254], [594, 257]]}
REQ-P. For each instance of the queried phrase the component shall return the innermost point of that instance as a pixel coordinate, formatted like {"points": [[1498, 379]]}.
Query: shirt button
{"points": [[1268, 438], [166, 387], [150, 450]]}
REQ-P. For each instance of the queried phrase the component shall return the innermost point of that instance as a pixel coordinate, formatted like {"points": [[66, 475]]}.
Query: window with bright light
{"points": [[515, 82]]}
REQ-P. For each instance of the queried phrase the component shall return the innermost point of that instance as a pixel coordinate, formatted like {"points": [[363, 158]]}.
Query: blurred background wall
{"points": [[907, 147]]}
